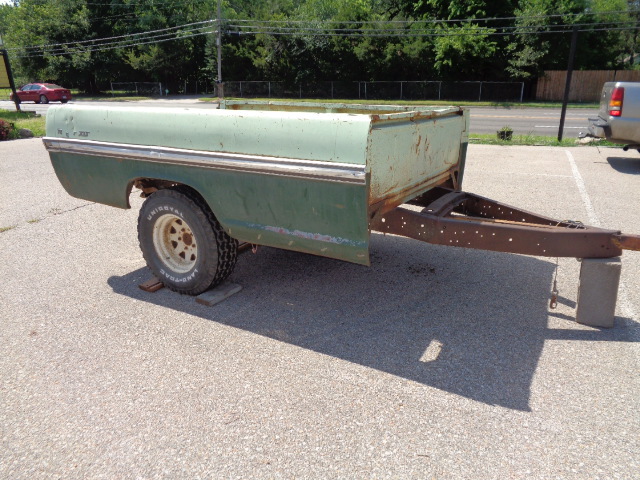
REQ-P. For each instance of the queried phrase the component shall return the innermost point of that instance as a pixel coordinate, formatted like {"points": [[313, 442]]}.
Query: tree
{"points": [[630, 38], [88, 43], [464, 42], [544, 35], [171, 62], [465, 53], [72, 50]]}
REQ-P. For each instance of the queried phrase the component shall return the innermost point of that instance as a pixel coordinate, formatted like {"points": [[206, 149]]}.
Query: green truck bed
{"points": [[308, 177]]}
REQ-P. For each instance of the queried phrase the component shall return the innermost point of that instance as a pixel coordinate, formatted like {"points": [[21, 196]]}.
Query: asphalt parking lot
{"points": [[435, 362]]}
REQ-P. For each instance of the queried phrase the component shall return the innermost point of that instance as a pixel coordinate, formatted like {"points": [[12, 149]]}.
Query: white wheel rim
{"points": [[175, 243]]}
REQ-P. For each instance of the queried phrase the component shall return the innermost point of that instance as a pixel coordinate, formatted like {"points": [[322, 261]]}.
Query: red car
{"points": [[43, 93]]}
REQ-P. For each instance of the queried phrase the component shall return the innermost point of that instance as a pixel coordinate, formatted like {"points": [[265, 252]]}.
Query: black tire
{"points": [[64, 101], [183, 243], [43, 99]]}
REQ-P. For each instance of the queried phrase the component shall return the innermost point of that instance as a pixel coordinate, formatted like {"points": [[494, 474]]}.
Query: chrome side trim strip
{"points": [[289, 167]]}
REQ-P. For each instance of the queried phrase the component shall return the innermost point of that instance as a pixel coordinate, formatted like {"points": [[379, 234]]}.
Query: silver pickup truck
{"points": [[619, 117]]}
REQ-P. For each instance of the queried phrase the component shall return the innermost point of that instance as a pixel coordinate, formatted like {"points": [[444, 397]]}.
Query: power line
{"points": [[90, 48], [121, 44], [124, 16], [455, 20], [473, 28], [271, 27], [134, 4], [433, 32], [104, 39], [427, 35], [151, 39]]}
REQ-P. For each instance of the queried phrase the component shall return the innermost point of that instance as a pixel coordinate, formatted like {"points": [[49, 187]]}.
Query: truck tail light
{"points": [[615, 104]]}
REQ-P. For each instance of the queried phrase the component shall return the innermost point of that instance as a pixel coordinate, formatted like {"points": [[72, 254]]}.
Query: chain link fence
{"points": [[398, 90], [137, 88]]}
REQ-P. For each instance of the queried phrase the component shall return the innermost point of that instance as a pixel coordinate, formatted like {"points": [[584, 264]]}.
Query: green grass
{"points": [[6, 229], [29, 120], [119, 96], [537, 140], [417, 102], [109, 98]]}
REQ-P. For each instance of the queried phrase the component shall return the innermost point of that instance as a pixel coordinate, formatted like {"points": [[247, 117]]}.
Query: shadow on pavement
{"points": [[625, 164], [467, 322]]}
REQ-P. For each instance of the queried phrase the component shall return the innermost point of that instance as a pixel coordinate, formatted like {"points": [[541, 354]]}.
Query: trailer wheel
{"points": [[183, 243]]}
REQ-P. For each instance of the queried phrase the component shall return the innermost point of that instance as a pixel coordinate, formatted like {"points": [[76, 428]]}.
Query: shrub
{"points": [[6, 130]]}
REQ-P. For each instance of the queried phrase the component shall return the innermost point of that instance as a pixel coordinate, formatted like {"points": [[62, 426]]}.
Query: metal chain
{"points": [[553, 303]]}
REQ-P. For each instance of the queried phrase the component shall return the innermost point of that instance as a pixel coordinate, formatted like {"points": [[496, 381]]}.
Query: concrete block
{"points": [[217, 294], [598, 291]]}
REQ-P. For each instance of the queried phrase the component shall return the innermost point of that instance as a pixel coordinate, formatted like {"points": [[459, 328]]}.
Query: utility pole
{"points": [[220, 85], [6, 76], [567, 87]]}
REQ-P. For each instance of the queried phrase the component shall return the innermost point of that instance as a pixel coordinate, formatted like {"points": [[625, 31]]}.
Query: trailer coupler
{"points": [[463, 219]]}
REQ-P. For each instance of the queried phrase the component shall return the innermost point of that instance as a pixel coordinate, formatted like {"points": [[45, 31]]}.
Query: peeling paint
{"points": [[320, 237], [310, 236]]}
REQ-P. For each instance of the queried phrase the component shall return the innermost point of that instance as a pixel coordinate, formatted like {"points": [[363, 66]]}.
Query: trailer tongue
{"points": [[461, 219]]}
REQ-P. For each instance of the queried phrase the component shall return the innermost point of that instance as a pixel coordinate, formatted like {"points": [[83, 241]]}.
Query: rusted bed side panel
{"points": [[407, 160]]}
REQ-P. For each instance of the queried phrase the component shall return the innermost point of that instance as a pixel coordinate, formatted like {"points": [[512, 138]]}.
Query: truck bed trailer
{"points": [[310, 177]]}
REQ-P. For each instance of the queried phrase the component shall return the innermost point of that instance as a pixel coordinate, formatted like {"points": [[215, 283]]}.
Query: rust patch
{"points": [[628, 242], [384, 203]]}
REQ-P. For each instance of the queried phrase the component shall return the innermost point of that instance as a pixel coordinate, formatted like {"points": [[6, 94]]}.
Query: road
{"points": [[524, 121], [530, 121], [435, 362]]}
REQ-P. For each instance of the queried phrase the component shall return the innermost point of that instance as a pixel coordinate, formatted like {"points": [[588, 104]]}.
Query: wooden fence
{"points": [[586, 85]]}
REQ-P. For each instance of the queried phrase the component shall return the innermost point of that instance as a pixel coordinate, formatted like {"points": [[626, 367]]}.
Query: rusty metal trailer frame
{"points": [[461, 219]]}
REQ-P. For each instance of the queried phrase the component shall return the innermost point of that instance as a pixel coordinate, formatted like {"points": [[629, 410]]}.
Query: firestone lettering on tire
{"points": [[164, 208]]}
